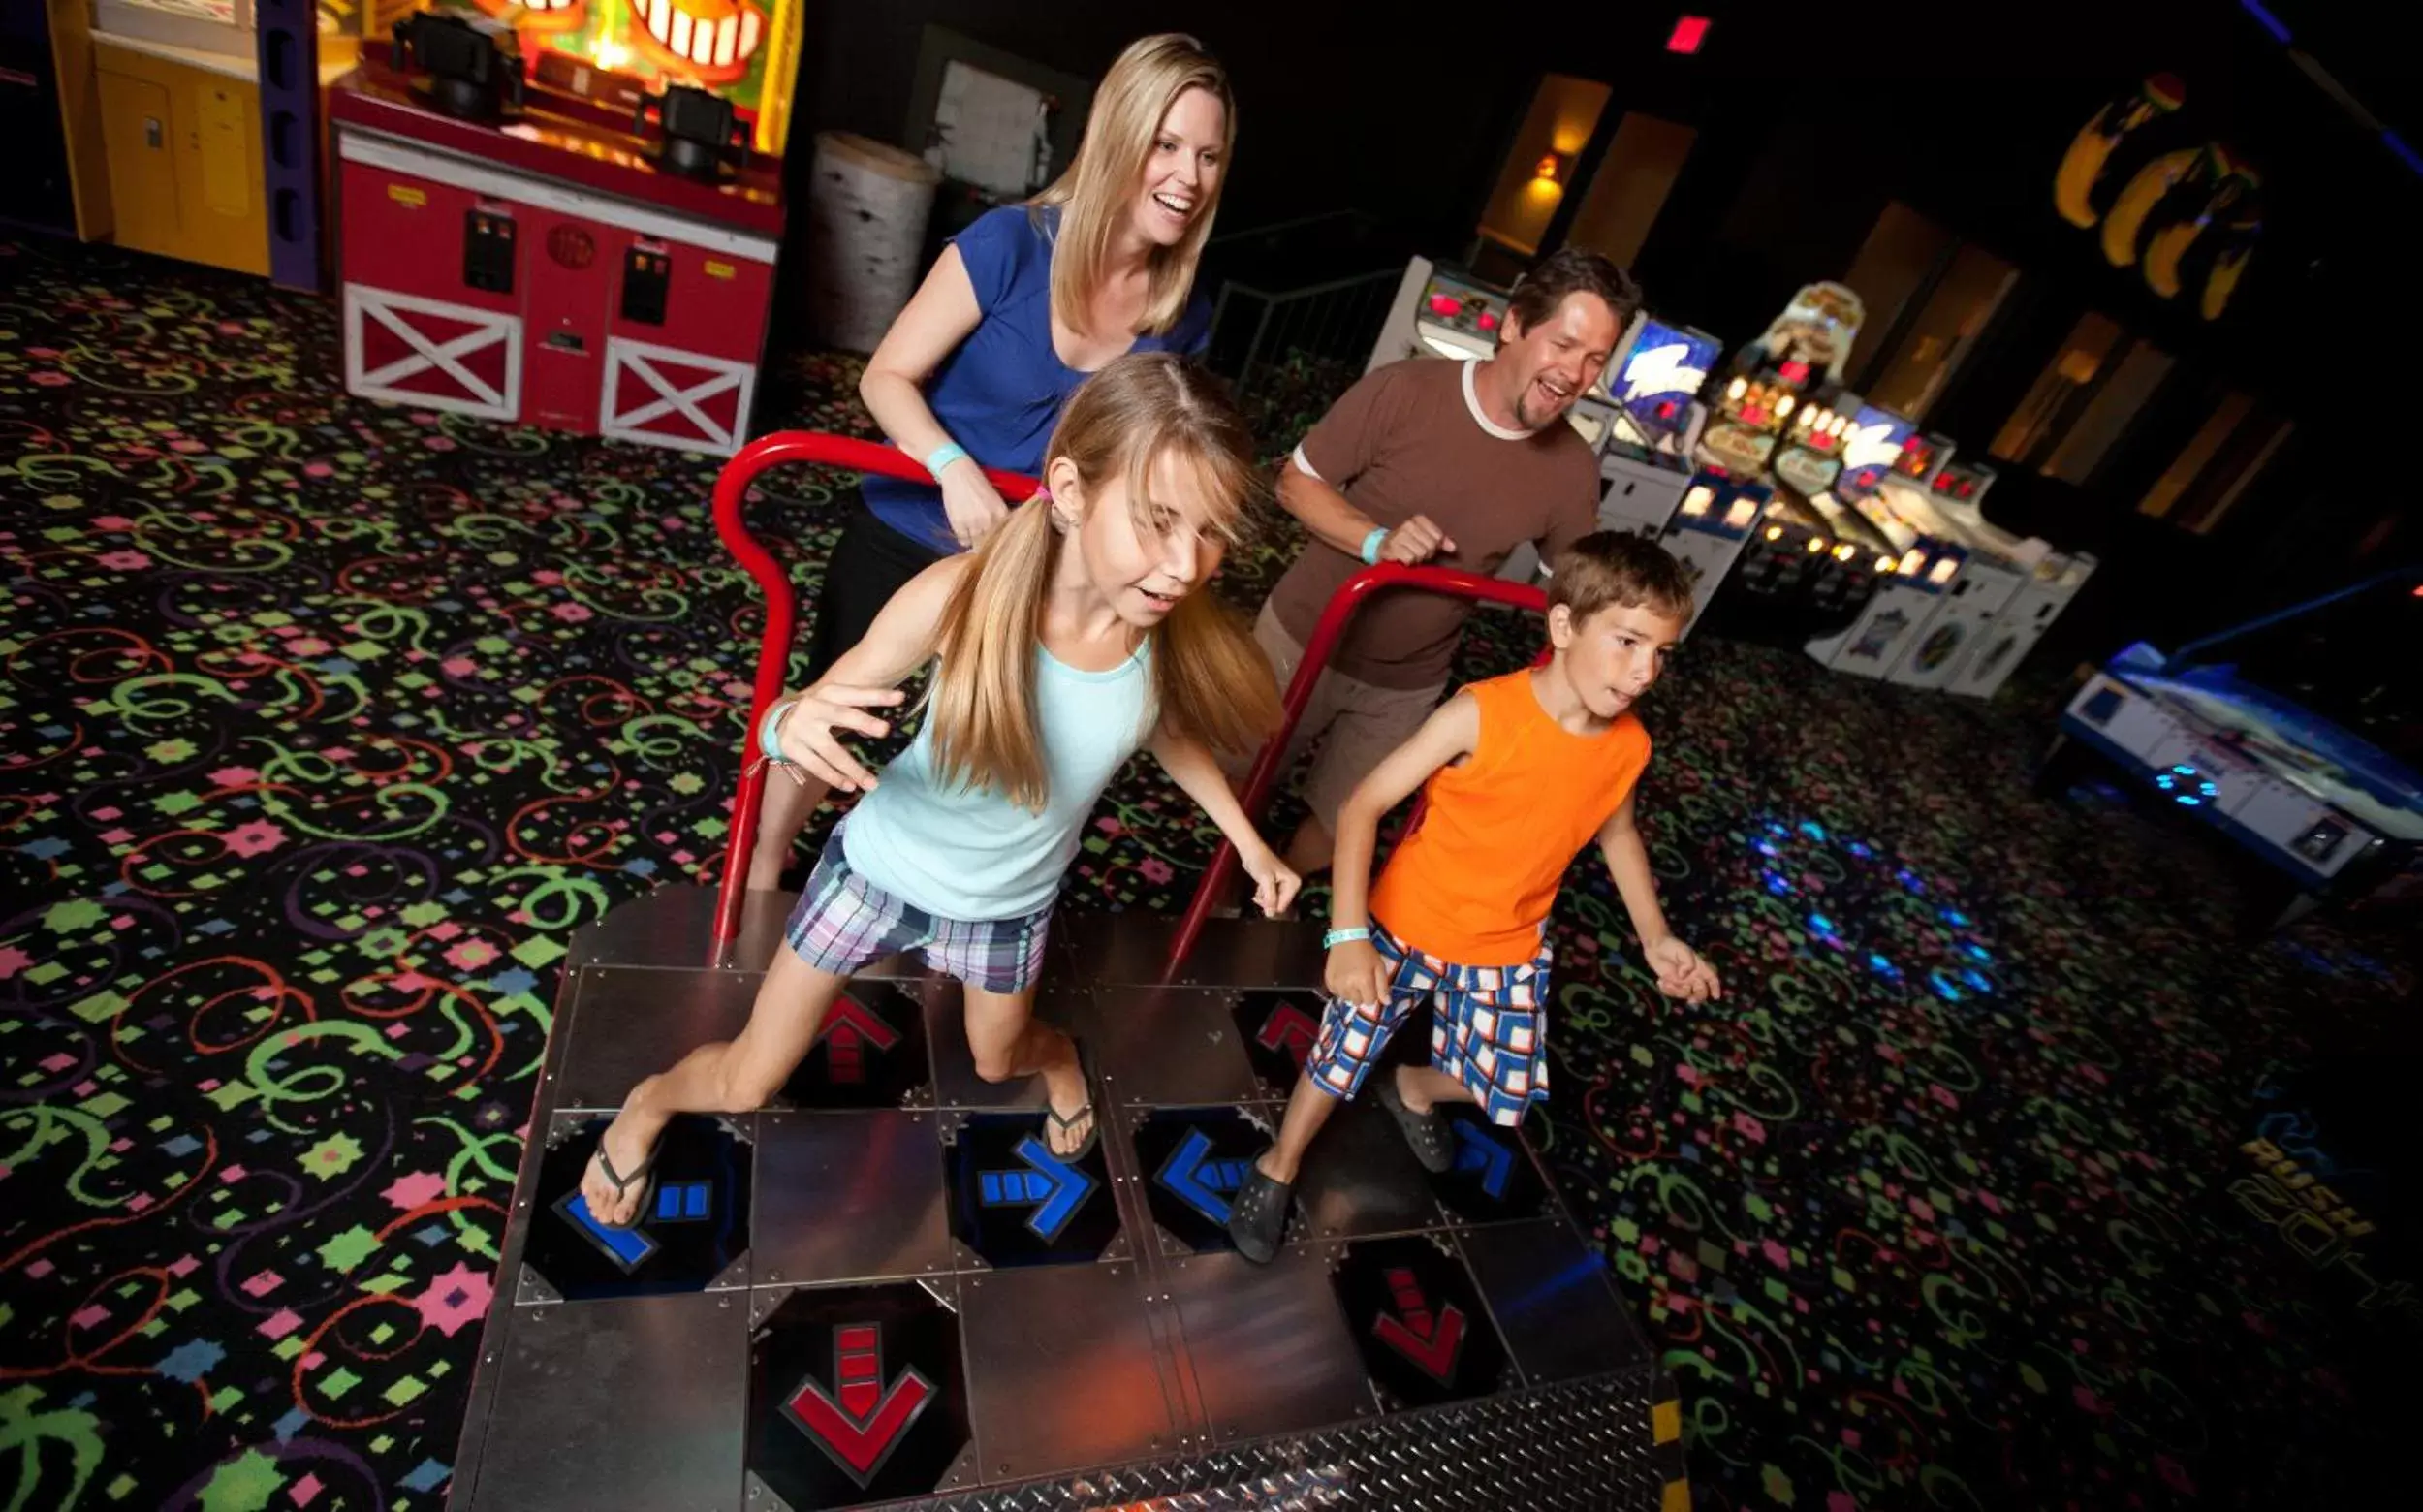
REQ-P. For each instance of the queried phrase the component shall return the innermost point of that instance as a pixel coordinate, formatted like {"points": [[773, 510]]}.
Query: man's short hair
{"points": [[1618, 569], [1574, 271]]}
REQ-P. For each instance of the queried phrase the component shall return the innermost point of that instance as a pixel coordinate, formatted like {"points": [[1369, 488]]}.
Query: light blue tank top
{"points": [[971, 854]]}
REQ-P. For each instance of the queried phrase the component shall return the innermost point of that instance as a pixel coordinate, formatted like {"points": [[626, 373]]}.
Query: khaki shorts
{"points": [[1356, 723]]}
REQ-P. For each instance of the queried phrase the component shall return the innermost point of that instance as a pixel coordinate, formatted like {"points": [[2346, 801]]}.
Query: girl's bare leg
{"points": [[1008, 1043], [730, 1077], [782, 812]]}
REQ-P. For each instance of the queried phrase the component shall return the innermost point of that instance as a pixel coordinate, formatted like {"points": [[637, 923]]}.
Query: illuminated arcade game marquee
{"points": [[1766, 398], [1652, 384], [567, 215]]}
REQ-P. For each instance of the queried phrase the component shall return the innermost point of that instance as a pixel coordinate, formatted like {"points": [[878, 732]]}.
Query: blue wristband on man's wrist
{"points": [[1371, 544]]}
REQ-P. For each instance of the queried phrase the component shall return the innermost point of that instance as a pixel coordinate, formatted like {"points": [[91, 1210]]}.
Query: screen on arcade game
{"points": [[1661, 375], [744, 50], [1870, 447]]}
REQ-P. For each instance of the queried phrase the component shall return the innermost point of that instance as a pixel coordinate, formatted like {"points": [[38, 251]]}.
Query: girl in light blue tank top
{"points": [[1075, 636]]}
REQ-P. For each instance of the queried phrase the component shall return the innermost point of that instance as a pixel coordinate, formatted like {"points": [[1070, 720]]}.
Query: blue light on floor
{"points": [[1765, 848], [1955, 918], [1981, 953], [1812, 829], [1775, 884], [1861, 850], [1883, 967], [1822, 925], [1977, 981], [1943, 987]]}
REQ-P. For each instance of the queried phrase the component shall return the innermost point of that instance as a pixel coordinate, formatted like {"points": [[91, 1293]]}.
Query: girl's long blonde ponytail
{"points": [[981, 702], [1210, 680]]}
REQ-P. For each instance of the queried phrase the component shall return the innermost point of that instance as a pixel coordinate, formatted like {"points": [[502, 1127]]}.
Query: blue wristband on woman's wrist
{"points": [[1336, 937], [942, 457], [1371, 544]]}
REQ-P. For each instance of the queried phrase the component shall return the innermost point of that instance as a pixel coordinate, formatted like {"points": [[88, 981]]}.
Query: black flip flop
{"points": [[622, 1184], [1434, 1143], [1094, 1136]]}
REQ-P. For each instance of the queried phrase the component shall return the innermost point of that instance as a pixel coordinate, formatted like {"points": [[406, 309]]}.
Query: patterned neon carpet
{"points": [[325, 725]]}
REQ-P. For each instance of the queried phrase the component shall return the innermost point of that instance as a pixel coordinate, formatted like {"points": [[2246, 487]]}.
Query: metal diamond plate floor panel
{"points": [[884, 1290]]}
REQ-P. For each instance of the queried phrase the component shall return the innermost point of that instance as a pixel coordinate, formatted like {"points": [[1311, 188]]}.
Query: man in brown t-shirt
{"points": [[1447, 462]]}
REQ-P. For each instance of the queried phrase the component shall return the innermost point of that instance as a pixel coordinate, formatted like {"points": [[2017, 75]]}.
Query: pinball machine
{"points": [[567, 214], [883, 1288]]}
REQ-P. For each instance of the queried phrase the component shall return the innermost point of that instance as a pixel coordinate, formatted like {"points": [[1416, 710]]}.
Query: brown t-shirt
{"points": [[1409, 440]]}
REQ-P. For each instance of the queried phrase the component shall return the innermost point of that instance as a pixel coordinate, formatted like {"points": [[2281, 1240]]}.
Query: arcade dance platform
{"points": [[883, 1289]]}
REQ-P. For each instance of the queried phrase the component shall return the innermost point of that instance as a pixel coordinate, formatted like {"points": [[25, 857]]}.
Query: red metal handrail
{"points": [[1342, 606], [774, 647]]}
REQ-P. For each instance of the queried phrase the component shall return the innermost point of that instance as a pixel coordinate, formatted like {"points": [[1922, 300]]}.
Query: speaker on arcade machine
{"points": [[568, 216]]}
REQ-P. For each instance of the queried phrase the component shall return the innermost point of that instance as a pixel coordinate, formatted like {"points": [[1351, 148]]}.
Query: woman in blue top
{"points": [[1019, 309]]}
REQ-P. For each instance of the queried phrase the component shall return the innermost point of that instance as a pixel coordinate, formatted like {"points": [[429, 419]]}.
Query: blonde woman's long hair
{"points": [[1100, 185], [1211, 681]]}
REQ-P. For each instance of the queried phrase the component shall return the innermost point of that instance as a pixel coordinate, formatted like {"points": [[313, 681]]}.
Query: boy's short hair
{"points": [[1612, 568], [1570, 271]]}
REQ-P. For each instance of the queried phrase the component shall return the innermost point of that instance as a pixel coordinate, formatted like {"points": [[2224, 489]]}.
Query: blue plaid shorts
{"points": [[842, 921], [1488, 1027]]}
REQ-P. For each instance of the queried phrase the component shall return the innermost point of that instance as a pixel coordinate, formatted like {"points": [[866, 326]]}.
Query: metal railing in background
{"points": [[1327, 631], [1255, 332]]}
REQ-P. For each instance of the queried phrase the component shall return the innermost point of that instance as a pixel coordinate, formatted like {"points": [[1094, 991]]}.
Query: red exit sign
{"points": [[1688, 33]]}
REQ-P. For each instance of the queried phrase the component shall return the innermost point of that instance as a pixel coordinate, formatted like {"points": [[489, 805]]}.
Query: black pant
{"points": [[870, 564]]}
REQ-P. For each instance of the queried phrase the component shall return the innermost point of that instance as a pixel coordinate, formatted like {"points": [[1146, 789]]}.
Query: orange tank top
{"points": [[1473, 883]]}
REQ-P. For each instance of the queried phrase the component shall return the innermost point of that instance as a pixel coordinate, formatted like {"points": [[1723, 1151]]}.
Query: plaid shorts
{"points": [[1488, 1027], [842, 921]]}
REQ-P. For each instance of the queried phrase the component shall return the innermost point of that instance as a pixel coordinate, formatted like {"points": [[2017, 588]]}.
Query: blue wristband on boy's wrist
{"points": [[1371, 544], [1336, 937], [942, 457]]}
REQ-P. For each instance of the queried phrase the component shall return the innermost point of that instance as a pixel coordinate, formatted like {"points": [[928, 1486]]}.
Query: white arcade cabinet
{"points": [[1993, 657], [1908, 599], [1996, 566], [2049, 581]]}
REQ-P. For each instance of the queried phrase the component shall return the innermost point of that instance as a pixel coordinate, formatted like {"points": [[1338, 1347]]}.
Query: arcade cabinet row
{"points": [[562, 215], [1803, 512]]}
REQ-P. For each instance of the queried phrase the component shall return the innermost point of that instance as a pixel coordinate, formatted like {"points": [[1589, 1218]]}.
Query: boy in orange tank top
{"points": [[1522, 772]]}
